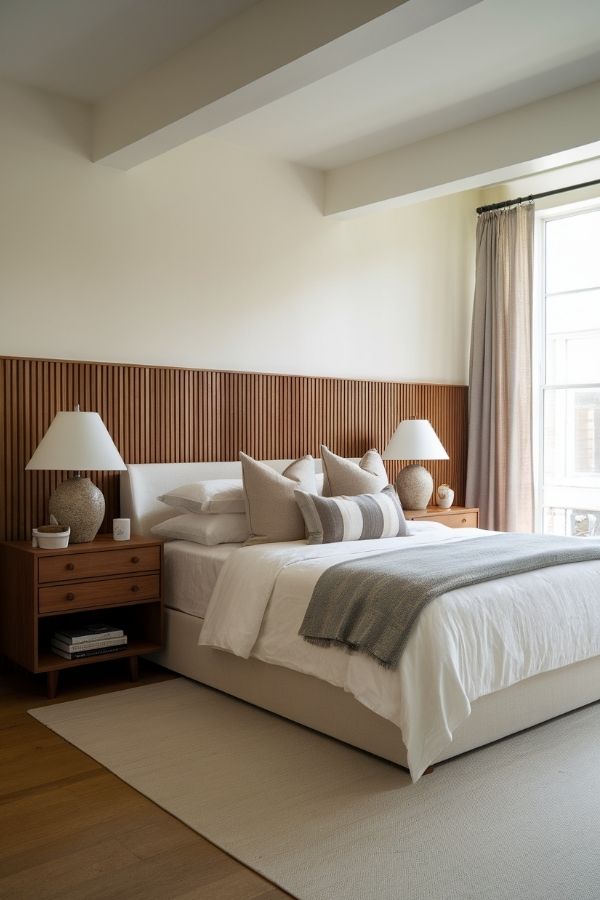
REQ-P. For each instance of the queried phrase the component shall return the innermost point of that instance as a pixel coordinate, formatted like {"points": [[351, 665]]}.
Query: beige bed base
{"points": [[332, 711]]}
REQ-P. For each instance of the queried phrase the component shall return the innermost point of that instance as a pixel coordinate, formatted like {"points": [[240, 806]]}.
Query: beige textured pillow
{"points": [[344, 477], [271, 508]]}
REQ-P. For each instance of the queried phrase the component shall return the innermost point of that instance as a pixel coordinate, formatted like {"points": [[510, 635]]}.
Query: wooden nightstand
{"points": [[42, 591], [455, 517]]}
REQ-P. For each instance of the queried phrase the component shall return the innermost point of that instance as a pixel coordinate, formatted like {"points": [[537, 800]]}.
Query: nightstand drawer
{"points": [[63, 598], [456, 520], [76, 566]]}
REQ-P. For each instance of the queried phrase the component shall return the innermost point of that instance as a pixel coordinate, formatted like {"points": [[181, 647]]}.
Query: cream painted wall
{"points": [[212, 257]]}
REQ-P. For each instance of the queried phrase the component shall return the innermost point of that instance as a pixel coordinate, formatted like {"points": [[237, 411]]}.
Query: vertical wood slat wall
{"points": [[159, 414]]}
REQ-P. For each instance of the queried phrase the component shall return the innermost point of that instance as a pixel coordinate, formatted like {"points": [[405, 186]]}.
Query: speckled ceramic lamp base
{"points": [[79, 503], [414, 485]]}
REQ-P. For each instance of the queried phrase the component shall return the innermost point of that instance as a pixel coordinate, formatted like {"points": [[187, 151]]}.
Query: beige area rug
{"points": [[519, 819]]}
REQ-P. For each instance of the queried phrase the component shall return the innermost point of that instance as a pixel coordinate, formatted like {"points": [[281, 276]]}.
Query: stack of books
{"points": [[94, 640]]}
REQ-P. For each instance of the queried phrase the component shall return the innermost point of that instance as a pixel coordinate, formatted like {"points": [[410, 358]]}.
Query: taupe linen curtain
{"points": [[500, 460]]}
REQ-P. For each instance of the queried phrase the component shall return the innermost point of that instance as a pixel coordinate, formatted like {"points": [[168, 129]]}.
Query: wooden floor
{"points": [[71, 829]]}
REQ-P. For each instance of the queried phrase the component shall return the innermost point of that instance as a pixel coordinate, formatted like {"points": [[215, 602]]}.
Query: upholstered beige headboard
{"points": [[142, 484]]}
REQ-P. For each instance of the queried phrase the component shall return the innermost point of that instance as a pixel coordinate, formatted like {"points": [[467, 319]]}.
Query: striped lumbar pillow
{"points": [[359, 518]]}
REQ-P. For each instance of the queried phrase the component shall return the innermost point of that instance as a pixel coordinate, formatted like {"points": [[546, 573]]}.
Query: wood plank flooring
{"points": [[71, 829]]}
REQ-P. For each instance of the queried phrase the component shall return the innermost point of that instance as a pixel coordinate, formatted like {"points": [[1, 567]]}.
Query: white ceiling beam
{"points": [[554, 132], [270, 49]]}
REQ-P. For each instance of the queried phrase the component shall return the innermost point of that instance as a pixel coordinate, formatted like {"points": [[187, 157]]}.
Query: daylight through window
{"points": [[570, 389]]}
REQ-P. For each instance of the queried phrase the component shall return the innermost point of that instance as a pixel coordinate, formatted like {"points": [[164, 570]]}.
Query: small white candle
{"points": [[121, 529]]}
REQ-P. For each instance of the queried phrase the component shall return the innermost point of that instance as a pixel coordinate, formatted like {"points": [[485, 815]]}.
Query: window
{"points": [[570, 375]]}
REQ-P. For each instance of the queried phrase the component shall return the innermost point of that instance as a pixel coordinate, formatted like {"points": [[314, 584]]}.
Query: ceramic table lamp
{"points": [[414, 439], [77, 441]]}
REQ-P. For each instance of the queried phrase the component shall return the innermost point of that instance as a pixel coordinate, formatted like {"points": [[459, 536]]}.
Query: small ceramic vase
{"points": [[445, 496]]}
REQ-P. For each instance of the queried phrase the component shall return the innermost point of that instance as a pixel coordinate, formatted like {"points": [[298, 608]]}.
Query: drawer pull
{"points": [[70, 566], [464, 521], [135, 588], [135, 559], [69, 596]]}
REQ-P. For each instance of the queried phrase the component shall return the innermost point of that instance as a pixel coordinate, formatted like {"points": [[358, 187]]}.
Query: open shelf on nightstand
{"points": [[49, 662]]}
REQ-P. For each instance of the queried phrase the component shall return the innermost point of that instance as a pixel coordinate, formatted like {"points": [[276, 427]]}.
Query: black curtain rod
{"points": [[504, 203]]}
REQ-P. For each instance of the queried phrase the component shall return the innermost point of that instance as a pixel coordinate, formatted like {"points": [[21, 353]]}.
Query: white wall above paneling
{"points": [[213, 256]]}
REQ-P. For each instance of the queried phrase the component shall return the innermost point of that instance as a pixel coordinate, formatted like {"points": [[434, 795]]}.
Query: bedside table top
{"points": [[102, 542], [441, 511]]}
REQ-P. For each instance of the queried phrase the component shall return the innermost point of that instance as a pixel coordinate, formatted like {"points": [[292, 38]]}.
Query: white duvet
{"points": [[466, 643]]}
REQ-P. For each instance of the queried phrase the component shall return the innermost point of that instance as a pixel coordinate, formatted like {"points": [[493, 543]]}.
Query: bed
{"points": [[299, 693]]}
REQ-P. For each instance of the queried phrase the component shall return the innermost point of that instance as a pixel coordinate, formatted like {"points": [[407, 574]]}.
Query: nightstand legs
{"points": [[133, 668], [52, 683]]}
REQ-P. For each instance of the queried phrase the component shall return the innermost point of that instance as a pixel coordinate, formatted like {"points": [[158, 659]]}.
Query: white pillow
{"points": [[204, 528], [218, 495]]}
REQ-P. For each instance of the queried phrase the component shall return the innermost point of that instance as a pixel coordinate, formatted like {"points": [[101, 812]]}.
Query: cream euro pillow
{"points": [[271, 508], [344, 477], [204, 528], [217, 495]]}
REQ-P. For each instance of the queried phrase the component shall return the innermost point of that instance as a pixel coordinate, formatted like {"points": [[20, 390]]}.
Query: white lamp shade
{"points": [[414, 439], [77, 441]]}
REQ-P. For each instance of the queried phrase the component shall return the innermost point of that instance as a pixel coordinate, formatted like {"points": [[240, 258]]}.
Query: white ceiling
{"points": [[487, 59], [86, 48], [493, 56]]}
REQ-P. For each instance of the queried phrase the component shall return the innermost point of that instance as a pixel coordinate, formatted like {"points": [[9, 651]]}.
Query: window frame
{"points": [[539, 343]]}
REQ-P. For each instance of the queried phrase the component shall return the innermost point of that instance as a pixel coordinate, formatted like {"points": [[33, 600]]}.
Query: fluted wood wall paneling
{"points": [[183, 415]]}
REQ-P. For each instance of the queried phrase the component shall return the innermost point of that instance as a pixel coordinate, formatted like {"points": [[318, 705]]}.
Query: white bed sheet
{"points": [[190, 572], [466, 644]]}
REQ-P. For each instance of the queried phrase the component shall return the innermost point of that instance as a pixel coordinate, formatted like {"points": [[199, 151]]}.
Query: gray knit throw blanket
{"points": [[371, 604]]}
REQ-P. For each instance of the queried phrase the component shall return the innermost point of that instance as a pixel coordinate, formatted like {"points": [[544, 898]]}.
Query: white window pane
{"points": [[554, 521], [571, 522], [570, 474], [572, 441], [573, 338], [572, 257]]}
